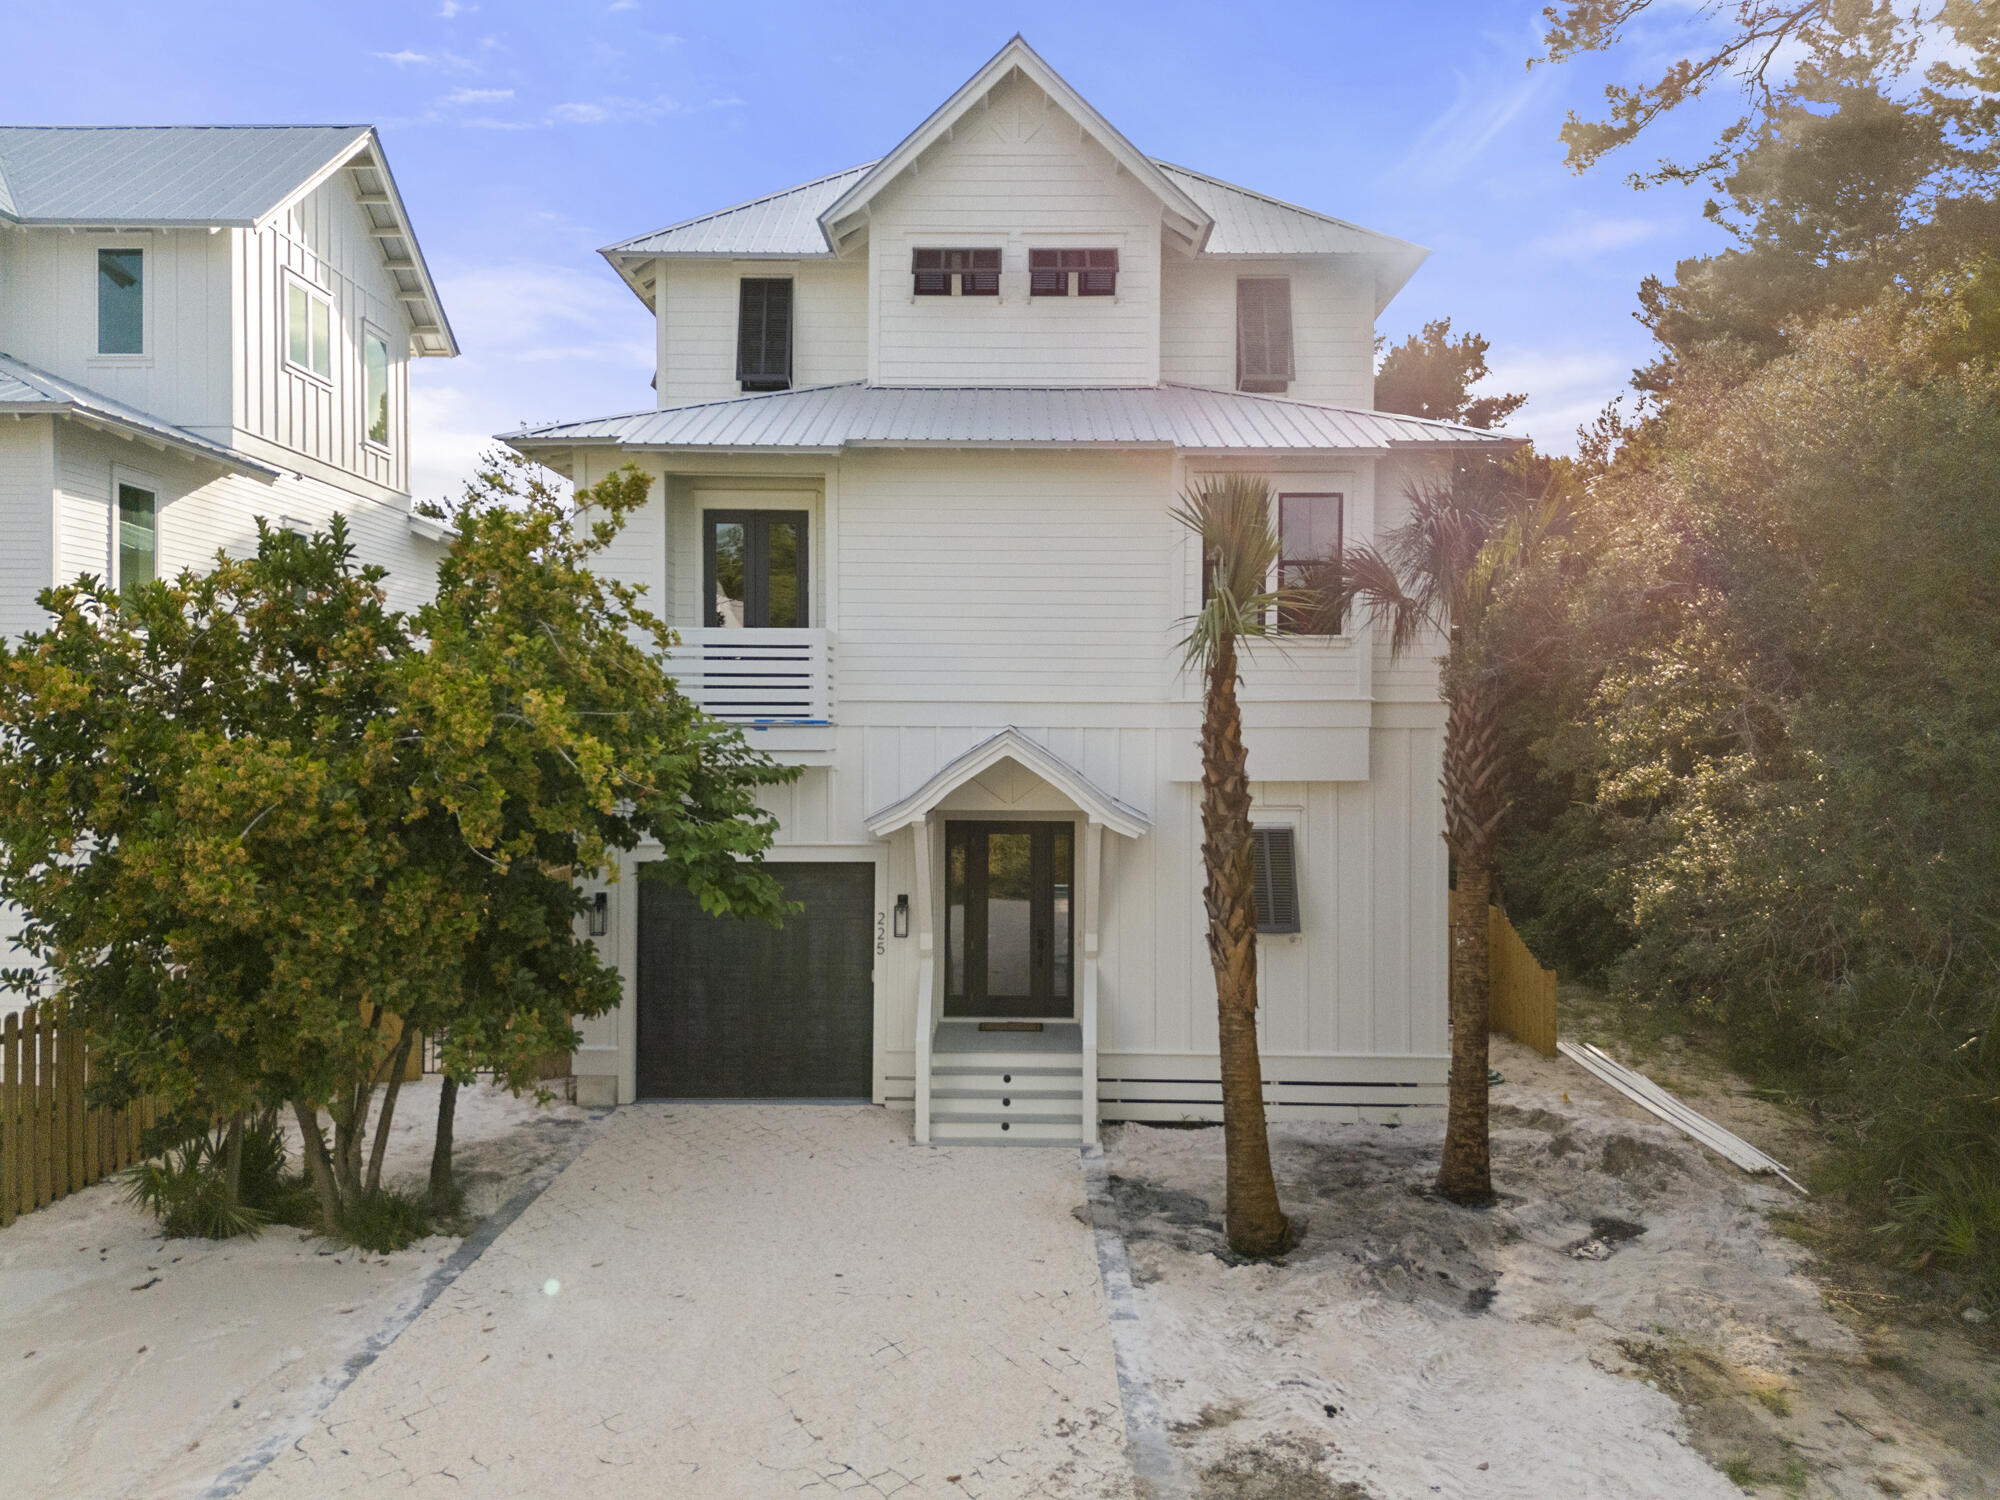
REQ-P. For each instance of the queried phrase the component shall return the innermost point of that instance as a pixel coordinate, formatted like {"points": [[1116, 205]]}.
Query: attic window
{"points": [[1095, 273], [1276, 874], [977, 272], [1263, 333]]}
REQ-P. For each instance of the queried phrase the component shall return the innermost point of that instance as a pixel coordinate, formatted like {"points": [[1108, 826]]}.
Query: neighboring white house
{"points": [[201, 325], [920, 428]]}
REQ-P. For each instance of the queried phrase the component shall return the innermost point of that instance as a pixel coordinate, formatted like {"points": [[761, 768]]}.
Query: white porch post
{"points": [[1093, 878], [926, 968]]}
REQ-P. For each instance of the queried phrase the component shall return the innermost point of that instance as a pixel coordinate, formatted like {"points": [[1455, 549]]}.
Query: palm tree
{"points": [[1231, 517], [1436, 575]]}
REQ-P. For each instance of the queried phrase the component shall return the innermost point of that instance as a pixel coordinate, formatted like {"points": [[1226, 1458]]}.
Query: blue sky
{"points": [[526, 135]]}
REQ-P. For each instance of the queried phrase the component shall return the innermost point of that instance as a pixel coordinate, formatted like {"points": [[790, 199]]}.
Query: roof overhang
{"points": [[160, 438], [1096, 804], [1183, 220]]}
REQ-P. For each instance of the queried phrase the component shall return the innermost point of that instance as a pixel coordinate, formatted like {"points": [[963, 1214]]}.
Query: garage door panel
{"points": [[734, 1009]]}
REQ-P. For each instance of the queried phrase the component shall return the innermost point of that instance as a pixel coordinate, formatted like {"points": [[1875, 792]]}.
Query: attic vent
{"points": [[1277, 880]]}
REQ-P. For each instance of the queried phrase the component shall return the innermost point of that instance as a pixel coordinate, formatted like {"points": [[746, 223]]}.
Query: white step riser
{"points": [[1068, 1079], [945, 1132]]}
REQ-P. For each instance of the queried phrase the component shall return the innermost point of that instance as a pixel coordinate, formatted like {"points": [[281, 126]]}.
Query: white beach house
{"points": [[920, 427]]}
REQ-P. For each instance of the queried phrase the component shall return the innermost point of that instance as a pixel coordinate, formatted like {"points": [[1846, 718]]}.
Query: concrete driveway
{"points": [[733, 1300]]}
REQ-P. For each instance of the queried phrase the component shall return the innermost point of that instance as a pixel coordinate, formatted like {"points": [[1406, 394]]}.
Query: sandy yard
{"points": [[132, 1365], [1625, 1324]]}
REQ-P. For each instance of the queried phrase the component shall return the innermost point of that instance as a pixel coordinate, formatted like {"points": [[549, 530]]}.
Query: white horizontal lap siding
{"points": [[1005, 576], [1333, 325], [323, 240], [697, 303], [27, 521], [1020, 176], [48, 318]]}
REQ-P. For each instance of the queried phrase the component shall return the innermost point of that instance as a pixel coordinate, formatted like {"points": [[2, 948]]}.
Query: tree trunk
{"points": [[1473, 807], [443, 1190], [1256, 1223], [312, 1146], [398, 1061]]}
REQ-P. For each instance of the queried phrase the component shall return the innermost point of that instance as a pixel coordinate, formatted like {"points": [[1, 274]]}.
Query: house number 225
{"points": [[881, 933]]}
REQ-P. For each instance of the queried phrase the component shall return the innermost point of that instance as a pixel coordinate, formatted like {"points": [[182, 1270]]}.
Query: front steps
{"points": [[1006, 1088]]}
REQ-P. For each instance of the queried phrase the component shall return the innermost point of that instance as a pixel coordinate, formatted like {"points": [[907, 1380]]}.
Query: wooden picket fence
{"points": [[1524, 993], [51, 1144]]}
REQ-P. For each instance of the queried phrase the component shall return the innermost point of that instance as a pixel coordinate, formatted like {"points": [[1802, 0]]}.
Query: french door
{"points": [[754, 564], [1010, 916]]}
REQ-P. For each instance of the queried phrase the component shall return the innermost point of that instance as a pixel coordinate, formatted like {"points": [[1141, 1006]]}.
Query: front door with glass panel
{"points": [[1009, 920], [755, 561]]}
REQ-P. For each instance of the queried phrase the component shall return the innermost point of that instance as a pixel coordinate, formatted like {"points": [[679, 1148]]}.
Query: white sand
{"points": [[108, 1390], [1413, 1348]]}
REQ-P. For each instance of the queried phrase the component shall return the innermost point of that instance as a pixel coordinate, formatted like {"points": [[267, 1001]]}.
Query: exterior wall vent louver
{"points": [[1277, 880]]}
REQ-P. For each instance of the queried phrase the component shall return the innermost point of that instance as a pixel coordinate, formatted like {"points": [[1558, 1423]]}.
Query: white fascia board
{"points": [[1098, 805]]}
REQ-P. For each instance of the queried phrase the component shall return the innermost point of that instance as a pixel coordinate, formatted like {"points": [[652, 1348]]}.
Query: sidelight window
{"points": [[756, 566]]}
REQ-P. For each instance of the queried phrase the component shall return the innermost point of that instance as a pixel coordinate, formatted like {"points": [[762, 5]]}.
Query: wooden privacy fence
{"points": [[51, 1145], [1524, 993]]}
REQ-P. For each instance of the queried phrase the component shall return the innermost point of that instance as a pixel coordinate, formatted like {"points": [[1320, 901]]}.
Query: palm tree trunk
{"points": [[1473, 806], [1256, 1223]]}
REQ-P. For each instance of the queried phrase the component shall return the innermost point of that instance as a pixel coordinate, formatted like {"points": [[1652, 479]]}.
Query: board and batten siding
{"points": [[323, 240], [1019, 174], [48, 318], [697, 302]]}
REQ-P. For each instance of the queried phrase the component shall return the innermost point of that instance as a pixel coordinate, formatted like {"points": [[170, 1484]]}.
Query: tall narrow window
{"points": [[121, 302], [308, 330], [756, 566], [138, 536], [375, 367], [764, 333], [1309, 559], [976, 272], [1093, 273], [1275, 872], [1263, 333]]}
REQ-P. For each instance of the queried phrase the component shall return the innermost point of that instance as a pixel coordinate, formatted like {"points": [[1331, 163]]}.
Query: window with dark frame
{"points": [[1309, 543], [1094, 273], [1263, 333], [755, 569], [1276, 874], [976, 272], [764, 333]]}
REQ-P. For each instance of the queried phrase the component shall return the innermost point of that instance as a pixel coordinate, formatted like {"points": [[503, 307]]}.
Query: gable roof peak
{"points": [[1184, 218]]}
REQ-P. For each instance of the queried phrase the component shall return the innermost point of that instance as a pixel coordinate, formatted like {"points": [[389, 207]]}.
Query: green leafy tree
{"points": [[1432, 374], [1230, 519], [552, 741]]}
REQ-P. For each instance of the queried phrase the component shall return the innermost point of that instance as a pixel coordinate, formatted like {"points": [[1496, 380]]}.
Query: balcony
{"points": [[776, 685]]}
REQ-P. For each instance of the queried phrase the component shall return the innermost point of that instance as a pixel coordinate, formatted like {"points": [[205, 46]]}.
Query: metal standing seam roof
{"points": [[786, 224], [28, 391], [160, 174], [1193, 418]]}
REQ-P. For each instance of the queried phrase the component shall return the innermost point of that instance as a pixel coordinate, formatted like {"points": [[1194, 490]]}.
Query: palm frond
{"points": [[1230, 518]]}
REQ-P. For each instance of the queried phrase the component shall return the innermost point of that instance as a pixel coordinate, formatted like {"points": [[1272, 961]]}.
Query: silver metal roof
{"points": [[829, 418], [28, 391], [160, 174], [786, 224]]}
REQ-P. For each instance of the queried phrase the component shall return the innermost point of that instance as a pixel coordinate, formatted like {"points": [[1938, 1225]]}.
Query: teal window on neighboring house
{"points": [[308, 330], [138, 536], [375, 366], [121, 302]]}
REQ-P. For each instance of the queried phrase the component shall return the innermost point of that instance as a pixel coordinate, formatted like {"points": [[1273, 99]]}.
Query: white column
{"points": [[1093, 878], [926, 976]]}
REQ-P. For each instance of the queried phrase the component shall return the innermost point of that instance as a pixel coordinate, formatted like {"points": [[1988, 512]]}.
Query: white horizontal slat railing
{"points": [[757, 676]]}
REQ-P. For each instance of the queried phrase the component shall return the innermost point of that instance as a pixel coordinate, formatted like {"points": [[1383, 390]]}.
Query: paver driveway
{"points": [[728, 1300]]}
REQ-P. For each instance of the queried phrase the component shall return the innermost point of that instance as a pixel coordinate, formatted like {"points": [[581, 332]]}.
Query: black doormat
{"points": [[1010, 1025]]}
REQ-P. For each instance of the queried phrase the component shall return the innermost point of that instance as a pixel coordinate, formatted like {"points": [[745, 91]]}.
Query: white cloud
{"points": [[1589, 234], [477, 96], [452, 8], [404, 59], [618, 5]]}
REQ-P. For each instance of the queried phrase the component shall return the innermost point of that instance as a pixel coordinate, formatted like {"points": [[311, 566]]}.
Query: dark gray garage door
{"points": [[737, 1010]]}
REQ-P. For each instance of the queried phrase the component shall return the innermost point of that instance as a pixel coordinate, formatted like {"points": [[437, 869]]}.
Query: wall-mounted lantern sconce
{"points": [[600, 914], [902, 916]]}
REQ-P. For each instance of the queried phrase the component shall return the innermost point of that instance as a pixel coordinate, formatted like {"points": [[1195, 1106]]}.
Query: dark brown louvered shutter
{"points": [[1263, 333], [764, 333], [1277, 880]]}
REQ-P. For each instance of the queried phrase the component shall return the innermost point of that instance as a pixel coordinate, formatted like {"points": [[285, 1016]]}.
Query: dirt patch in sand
{"points": [[1625, 1322], [133, 1365]]}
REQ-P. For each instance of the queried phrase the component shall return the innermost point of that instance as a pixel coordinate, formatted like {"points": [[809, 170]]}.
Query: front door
{"points": [[1009, 920]]}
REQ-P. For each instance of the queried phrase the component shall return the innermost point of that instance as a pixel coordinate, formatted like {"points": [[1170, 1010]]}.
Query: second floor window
{"points": [[1092, 273], [1263, 333], [755, 561], [375, 370], [138, 536], [308, 330], [121, 302], [764, 333], [1309, 543], [976, 272]]}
